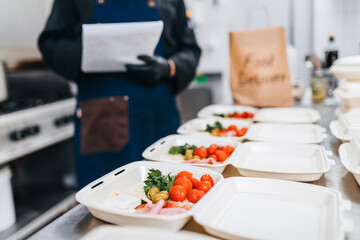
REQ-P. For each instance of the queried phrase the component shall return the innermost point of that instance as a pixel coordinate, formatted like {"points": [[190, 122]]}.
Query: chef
{"points": [[119, 114]]}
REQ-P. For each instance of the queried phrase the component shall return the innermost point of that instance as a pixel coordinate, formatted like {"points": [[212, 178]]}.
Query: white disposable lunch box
{"points": [[234, 208], [296, 162], [350, 157], [287, 115], [347, 68], [350, 97], [116, 232], [255, 208], [210, 110], [198, 125], [347, 126], [159, 150], [95, 193], [265, 132]]}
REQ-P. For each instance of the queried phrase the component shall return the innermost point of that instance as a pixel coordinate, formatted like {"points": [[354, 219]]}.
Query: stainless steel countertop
{"points": [[78, 221]]}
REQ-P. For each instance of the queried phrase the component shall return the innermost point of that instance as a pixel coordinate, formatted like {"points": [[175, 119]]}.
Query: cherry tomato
{"points": [[194, 181], [250, 115], [232, 127], [184, 174], [230, 149], [237, 115], [245, 114], [195, 195], [207, 177], [212, 148], [221, 155], [204, 186], [213, 156], [241, 132], [185, 182], [178, 193], [201, 152]]}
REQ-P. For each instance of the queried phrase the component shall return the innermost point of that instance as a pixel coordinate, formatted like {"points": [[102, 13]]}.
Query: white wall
{"points": [[21, 22], [340, 18]]}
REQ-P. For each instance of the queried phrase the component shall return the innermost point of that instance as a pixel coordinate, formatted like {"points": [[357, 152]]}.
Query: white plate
{"points": [[209, 111], [116, 232], [350, 157], [198, 126], [350, 98], [255, 208], [288, 133], [287, 115], [95, 193], [297, 162], [159, 150]]}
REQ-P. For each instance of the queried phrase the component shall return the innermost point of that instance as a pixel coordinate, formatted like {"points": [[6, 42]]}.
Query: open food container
{"points": [[227, 111], [199, 125], [350, 157], [255, 208], [116, 232], [296, 162], [159, 151], [287, 115], [347, 126], [286, 133], [95, 194]]}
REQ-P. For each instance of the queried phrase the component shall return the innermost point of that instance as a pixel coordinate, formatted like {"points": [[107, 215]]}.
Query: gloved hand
{"points": [[154, 70]]}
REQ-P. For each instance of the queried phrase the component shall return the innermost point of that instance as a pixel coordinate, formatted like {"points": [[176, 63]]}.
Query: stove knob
{"points": [[34, 130], [16, 135]]}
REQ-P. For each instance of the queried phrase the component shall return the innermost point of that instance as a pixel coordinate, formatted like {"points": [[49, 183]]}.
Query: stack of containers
{"points": [[281, 143]]}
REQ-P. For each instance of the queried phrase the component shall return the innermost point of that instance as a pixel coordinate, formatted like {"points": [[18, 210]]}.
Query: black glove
{"points": [[154, 70]]}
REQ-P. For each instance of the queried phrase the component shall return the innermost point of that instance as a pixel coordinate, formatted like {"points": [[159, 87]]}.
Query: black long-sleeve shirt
{"points": [[61, 45]]}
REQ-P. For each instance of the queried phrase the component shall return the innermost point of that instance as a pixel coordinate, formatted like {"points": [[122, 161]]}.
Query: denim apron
{"points": [[151, 112]]}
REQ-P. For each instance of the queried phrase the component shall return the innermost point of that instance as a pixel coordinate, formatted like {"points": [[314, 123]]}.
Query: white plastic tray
{"points": [[287, 115], [94, 194], [288, 133], [198, 126], [296, 162], [159, 150], [116, 232], [254, 208], [209, 111], [350, 98], [347, 126], [350, 157]]}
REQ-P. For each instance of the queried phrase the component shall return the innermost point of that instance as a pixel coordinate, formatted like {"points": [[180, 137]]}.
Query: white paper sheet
{"points": [[108, 47]]}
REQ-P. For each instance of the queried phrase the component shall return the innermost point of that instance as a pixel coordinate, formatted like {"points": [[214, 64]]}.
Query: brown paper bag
{"points": [[259, 71]]}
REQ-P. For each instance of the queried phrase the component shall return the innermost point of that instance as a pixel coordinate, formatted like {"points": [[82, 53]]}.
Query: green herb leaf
{"points": [[155, 178], [217, 125], [181, 149]]}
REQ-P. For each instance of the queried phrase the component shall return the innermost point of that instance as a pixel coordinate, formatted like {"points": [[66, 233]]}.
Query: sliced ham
{"points": [[172, 211], [151, 208], [202, 161]]}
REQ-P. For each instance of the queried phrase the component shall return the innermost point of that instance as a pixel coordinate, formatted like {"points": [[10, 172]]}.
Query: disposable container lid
{"points": [[347, 67], [289, 133], [297, 162], [350, 157], [116, 232], [254, 208], [287, 115]]}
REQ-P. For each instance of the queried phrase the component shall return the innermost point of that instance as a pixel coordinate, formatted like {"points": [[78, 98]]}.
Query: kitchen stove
{"points": [[25, 131]]}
